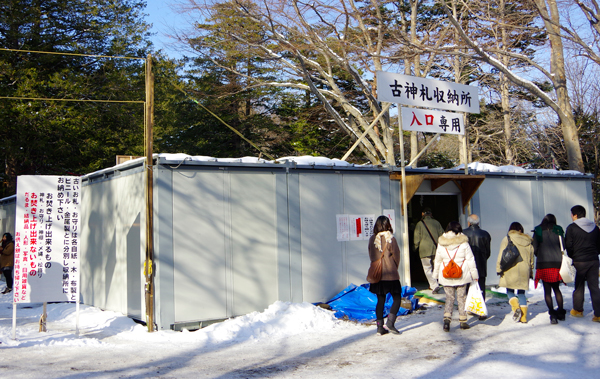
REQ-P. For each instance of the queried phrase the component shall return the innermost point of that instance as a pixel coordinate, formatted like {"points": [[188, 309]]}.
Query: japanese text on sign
{"points": [[47, 239], [429, 93], [354, 227], [425, 120]]}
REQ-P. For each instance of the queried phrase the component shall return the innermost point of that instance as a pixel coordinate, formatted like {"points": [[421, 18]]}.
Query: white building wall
{"points": [[232, 240]]}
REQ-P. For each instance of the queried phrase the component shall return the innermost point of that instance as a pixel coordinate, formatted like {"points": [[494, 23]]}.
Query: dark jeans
{"points": [[8, 275], [586, 271]]}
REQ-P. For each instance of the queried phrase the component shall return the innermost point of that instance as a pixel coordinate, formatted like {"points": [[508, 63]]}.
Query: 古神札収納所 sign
{"points": [[47, 239], [430, 121], [427, 93]]}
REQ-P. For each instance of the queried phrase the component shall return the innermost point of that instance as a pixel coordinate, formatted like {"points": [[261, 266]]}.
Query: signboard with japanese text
{"points": [[47, 239], [361, 227], [343, 227], [429, 121], [391, 214], [427, 93]]}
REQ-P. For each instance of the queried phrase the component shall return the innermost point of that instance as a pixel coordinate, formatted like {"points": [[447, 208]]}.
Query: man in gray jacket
{"points": [[427, 232], [582, 241]]}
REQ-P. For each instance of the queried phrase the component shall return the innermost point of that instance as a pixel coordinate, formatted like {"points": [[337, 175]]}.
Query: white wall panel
{"points": [[254, 241], [199, 219], [322, 258], [111, 210]]}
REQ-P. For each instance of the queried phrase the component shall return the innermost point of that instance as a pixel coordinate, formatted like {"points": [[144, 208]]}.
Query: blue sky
{"points": [[164, 20]]}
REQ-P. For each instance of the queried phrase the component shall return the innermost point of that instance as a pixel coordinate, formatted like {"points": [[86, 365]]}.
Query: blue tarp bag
{"points": [[358, 303]]}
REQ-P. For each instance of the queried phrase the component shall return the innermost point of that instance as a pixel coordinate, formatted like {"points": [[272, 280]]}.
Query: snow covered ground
{"points": [[300, 341]]}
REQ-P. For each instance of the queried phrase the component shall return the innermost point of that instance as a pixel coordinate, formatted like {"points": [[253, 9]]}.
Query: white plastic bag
{"points": [[567, 270], [475, 303]]}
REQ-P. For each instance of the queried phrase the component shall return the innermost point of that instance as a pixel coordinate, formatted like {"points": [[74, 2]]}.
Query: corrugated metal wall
{"points": [[112, 244], [503, 200], [231, 239]]}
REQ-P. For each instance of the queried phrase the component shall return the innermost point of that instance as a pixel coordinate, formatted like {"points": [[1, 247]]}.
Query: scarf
{"points": [[556, 229], [388, 238]]}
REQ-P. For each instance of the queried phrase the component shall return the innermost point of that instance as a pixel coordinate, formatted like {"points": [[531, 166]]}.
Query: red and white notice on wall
{"points": [[47, 243]]}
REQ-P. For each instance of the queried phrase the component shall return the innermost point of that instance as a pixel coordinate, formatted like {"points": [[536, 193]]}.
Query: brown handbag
{"points": [[375, 269]]}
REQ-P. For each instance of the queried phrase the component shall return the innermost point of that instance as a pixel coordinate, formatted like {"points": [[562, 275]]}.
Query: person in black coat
{"points": [[480, 242], [548, 247], [582, 241]]}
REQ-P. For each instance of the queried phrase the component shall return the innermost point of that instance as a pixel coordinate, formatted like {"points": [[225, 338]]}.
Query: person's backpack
{"points": [[452, 270], [510, 256]]}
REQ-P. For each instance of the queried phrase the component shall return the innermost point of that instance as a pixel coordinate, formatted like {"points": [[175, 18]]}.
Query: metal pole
{"points": [[77, 318], [14, 321], [405, 247], [149, 264], [465, 120]]}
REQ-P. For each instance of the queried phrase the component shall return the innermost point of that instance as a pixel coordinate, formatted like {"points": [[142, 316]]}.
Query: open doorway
{"points": [[445, 208]]}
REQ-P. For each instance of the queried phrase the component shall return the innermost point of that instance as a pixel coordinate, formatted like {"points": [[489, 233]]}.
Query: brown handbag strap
{"points": [[428, 231], [382, 247]]}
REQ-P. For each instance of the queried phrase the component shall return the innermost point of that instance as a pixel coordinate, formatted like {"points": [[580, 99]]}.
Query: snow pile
{"points": [[273, 323], [279, 320]]}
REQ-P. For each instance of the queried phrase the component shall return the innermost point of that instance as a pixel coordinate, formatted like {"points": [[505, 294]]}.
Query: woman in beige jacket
{"points": [[454, 245], [517, 277]]}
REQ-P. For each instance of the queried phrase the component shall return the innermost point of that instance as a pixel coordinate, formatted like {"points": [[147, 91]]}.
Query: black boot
{"points": [[560, 314], [553, 317], [380, 329], [446, 325], [391, 320]]}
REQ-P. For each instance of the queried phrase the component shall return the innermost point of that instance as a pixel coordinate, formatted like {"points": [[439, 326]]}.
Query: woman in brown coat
{"points": [[382, 242]]}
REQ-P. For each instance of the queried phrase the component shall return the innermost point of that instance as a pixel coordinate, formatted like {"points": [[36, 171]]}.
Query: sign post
{"points": [[427, 93], [47, 244]]}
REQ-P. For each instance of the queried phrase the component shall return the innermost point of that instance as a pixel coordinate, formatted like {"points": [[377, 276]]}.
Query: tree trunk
{"points": [[569, 129], [508, 152]]}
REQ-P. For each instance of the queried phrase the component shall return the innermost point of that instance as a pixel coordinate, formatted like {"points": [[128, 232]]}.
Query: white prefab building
{"points": [[232, 236]]}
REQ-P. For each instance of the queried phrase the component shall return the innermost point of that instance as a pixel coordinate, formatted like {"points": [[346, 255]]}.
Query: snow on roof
{"points": [[316, 161], [486, 167], [308, 160]]}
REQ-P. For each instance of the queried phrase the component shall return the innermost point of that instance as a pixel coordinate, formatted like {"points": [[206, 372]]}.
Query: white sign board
{"points": [[47, 239], [426, 120], [427, 93], [343, 227], [361, 227], [391, 214]]}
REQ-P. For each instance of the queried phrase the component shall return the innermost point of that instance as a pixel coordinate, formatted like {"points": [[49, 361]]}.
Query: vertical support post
{"points": [[77, 318], [43, 318], [149, 264], [465, 152], [405, 247], [14, 321]]}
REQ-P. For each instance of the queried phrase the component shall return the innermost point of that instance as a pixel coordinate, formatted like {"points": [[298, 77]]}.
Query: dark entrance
{"points": [[445, 208]]}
